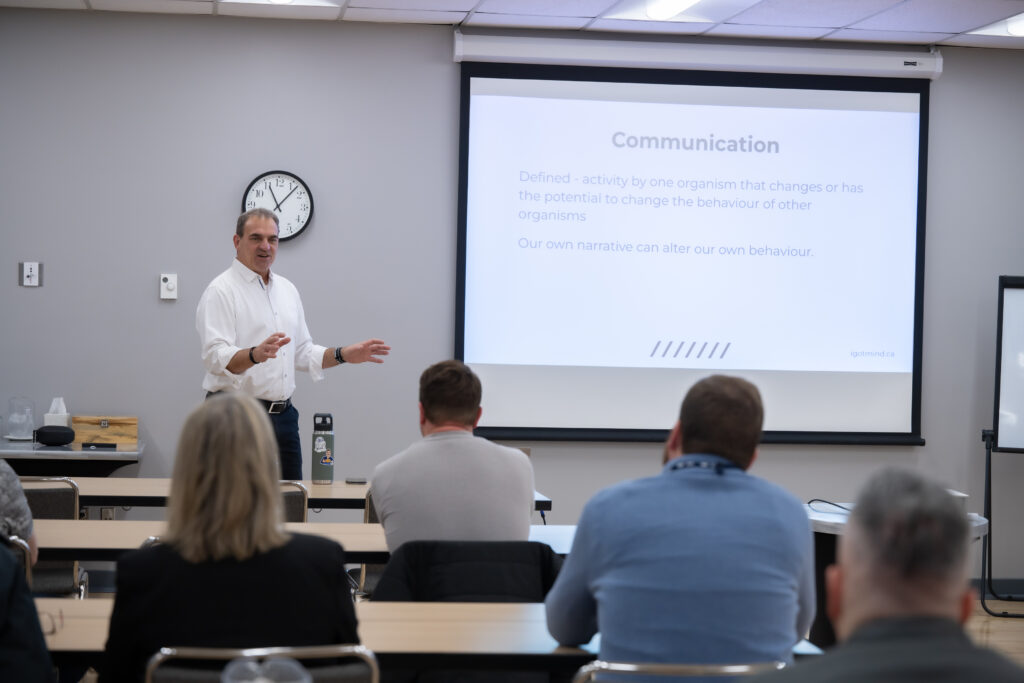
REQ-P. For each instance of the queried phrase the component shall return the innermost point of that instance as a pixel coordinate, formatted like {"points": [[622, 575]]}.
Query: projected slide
{"points": [[764, 231]]}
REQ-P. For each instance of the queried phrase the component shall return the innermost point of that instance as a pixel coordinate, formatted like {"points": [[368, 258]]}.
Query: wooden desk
{"points": [[84, 539], [402, 634], [152, 492], [30, 459]]}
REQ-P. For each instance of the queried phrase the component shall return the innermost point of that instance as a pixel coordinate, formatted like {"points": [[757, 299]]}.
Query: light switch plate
{"points": [[30, 274]]}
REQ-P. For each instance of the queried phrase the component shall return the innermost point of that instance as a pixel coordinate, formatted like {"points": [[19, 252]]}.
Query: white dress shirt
{"points": [[238, 311]]}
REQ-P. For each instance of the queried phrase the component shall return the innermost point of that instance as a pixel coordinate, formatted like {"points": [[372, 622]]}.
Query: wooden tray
{"points": [[116, 429]]}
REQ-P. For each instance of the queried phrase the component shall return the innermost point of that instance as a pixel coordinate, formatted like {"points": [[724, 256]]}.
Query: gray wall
{"points": [[126, 142]]}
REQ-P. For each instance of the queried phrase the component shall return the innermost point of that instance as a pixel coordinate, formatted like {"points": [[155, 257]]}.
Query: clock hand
{"points": [[277, 204], [286, 197]]}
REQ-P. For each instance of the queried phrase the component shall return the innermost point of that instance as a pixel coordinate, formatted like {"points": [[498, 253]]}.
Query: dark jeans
{"points": [[286, 427]]}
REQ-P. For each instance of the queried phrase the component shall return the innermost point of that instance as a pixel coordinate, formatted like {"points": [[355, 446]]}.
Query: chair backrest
{"points": [[19, 547], [588, 671], [296, 501], [51, 497], [469, 571], [369, 574], [55, 498], [365, 670], [370, 510]]}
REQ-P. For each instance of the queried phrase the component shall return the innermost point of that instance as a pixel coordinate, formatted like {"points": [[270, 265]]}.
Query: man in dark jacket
{"points": [[898, 596], [23, 654]]}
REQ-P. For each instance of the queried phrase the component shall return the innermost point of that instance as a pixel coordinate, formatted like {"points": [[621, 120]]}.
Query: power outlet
{"points": [[106, 513]]}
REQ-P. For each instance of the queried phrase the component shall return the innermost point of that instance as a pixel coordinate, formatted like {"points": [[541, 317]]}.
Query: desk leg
{"points": [[822, 634]]}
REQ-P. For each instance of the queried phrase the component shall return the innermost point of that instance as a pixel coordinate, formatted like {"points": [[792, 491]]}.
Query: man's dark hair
{"points": [[450, 392], [722, 416], [912, 528], [259, 213]]}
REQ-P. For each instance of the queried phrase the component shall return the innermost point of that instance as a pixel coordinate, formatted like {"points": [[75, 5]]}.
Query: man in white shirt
{"points": [[452, 485], [254, 335]]}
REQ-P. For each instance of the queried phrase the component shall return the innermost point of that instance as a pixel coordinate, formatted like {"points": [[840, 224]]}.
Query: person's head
{"points": [[225, 498], [449, 396], [903, 553], [720, 416], [256, 240]]}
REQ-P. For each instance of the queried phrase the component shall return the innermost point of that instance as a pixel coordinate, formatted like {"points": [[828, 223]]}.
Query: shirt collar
{"points": [[889, 628], [675, 463], [246, 273], [450, 434]]}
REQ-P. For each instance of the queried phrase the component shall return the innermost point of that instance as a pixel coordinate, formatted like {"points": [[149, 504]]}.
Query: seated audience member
{"points": [[898, 595], [15, 516], [23, 654], [452, 485], [701, 564], [226, 574]]}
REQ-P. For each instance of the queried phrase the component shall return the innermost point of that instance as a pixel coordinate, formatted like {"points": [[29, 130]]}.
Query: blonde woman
{"points": [[226, 574]]}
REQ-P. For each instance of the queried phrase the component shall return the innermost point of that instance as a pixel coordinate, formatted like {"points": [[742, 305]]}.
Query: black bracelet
{"points": [[251, 357], [337, 355]]}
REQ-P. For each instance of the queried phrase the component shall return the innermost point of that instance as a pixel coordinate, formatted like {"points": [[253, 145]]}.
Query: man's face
{"points": [[257, 246]]}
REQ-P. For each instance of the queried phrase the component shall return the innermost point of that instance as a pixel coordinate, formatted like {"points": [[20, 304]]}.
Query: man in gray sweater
{"points": [[452, 485]]}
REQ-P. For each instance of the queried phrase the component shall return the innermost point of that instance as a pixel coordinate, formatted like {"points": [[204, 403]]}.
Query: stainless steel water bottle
{"points": [[322, 471]]}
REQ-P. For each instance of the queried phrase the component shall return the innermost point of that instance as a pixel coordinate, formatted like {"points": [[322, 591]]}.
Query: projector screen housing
{"points": [[625, 232]]}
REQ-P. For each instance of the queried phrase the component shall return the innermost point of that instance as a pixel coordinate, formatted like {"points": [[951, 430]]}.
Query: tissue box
{"points": [[56, 419], [109, 429]]}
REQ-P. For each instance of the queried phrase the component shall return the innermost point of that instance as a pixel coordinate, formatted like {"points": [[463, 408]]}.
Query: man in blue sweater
{"points": [[703, 563]]}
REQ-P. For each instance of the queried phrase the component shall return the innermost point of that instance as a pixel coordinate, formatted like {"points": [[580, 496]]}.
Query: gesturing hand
{"points": [[368, 350], [269, 346]]}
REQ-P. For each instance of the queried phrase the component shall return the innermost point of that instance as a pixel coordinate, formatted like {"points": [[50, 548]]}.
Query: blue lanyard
{"points": [[718, 467]]}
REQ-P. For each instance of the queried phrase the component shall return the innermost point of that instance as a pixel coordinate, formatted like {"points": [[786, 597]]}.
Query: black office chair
{"points": [[468, 571], [55, 498], [364, 578], [19, 548], [296, 501], [181, 664]]}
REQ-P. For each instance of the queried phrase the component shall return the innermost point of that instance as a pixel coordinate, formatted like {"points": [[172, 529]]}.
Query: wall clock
{"points": [[286, 195]]}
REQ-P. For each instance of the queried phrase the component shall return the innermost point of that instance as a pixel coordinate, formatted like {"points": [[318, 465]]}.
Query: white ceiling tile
{"points": [[705, 11], [402, 16], [941, 16], [323, 11], [833, 13], [160, 6], [549, 8], [533, 21], [997, 42], [46, 4], [745, 31], [905, 37], [672, 27], [420, 5]]}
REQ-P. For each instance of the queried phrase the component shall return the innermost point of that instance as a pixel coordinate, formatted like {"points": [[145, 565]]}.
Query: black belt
{"points": [[273, 407]]}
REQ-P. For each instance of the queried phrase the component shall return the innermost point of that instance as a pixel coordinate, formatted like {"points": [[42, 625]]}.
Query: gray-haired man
{"points": [[898, 596]]}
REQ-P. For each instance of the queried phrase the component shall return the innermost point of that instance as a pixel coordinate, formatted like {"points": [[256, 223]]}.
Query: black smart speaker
{"points": [[55, 435]]}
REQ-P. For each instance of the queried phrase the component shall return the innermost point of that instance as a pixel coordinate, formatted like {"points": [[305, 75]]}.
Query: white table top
{"points": [[827, 518]]}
